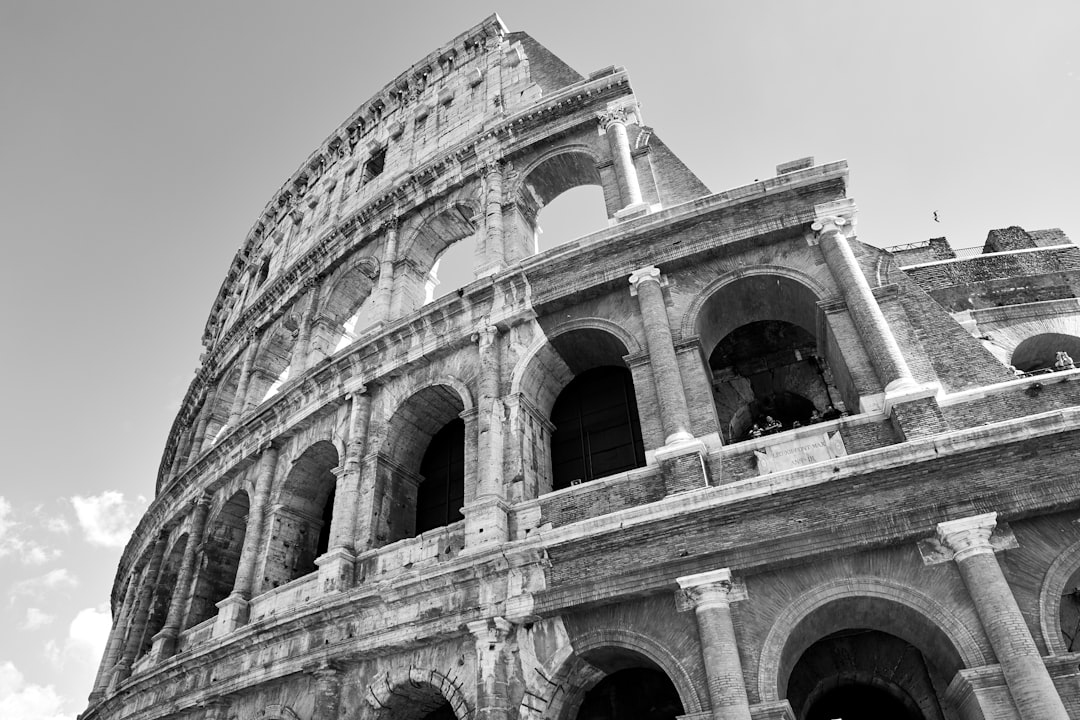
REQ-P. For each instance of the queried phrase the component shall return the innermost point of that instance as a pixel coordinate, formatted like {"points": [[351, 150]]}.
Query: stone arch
{"points": [[691, 321], [545, 373], [272, 359], [222, 545], [1039, 352], [411, 694], [348, 291], [427, 236], [1010, 327], [401, 447], [934, 629], [1057, 575], [300, 522], [219, 409], [547, 177], [771, 356], [574, 674], [164, 584]]}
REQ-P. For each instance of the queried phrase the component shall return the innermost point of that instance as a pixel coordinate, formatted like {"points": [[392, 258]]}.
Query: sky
{"points": [[139, 141]]}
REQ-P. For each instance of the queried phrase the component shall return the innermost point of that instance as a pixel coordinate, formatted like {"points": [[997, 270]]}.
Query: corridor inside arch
{"points": [[771, 370]]}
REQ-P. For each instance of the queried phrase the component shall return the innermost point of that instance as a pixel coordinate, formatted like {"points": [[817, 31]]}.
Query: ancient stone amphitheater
{"points": [[719, 459]]}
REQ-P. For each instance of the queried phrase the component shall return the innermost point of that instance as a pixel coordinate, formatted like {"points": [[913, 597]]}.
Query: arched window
{"points": [[442, 485], [1040, 351], [301, 522], [560, 199], [421, 465], [770, 370], [221, 558], [597, 431]]}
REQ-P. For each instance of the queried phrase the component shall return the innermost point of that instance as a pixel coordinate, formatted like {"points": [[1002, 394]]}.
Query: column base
{"points": [[682, 465], [232, 613], [335, 570], [164, 644], [632, 211], [486, 524], [120, 673]]}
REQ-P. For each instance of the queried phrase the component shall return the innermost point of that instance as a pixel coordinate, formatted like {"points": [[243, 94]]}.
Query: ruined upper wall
{"points": [[455, 93]]}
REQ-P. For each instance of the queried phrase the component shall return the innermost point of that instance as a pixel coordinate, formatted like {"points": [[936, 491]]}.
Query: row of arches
{"points": [[439, 250]]}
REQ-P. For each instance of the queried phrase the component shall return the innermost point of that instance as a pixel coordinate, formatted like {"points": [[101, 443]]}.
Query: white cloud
{"points": [[85, 642], [36, 618], [40, 585], [107, 519], [14, 540], [26, 701]]}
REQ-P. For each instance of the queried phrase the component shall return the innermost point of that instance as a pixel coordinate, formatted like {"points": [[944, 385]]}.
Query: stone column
{"points": [[327, 691], [712, 594], [199, 438], [614, 125], [336, 566], [114, 644], [242, 384], [385, 287], [486, 517], [165, 641], [180, 453], [674, 414], [298, 361], [137, 626], [1025, 673], [494, 251], [233, 610], [492, 676], [889, 363]]}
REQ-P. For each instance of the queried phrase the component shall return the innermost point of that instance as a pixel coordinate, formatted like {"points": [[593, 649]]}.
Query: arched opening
{"points": [[597, 431], [301, 525], [441, 493], [218, 421], [453, 270], [862, 675], [349, 295], [444, 252], [770, 370], [412, 700], [163, 592], [571, 177], [220, 558], [632, 687], [424, 446], [575, 213], [271, 366], [1069, 613], [1040, 351], [866, 657], [578, 417]]}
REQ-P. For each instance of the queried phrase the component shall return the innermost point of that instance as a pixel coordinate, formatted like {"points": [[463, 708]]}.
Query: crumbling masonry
{"points": [[719, 460]]}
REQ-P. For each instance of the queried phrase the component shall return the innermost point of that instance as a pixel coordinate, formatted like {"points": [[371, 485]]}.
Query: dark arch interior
{"points": [[863, 674], [1040, 352], [767, 376], [442, 486], [597, 430], [442, 712], [302, 521], [221, 558], [638, 693], [162, 595]]}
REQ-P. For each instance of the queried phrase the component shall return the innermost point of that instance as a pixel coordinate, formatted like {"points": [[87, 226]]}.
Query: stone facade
{"points": [[720, 459]]}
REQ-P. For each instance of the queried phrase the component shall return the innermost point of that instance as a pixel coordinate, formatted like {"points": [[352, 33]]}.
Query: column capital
{"points": [[710, 589], [492, 167], [642, 275], [968, 536], [490, 631], [325, 670], [829, 225], [621, 115], [485, 335], [355, 393]]}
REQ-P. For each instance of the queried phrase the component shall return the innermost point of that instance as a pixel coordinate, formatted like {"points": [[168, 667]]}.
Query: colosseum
{"points": [[718, 460]]}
